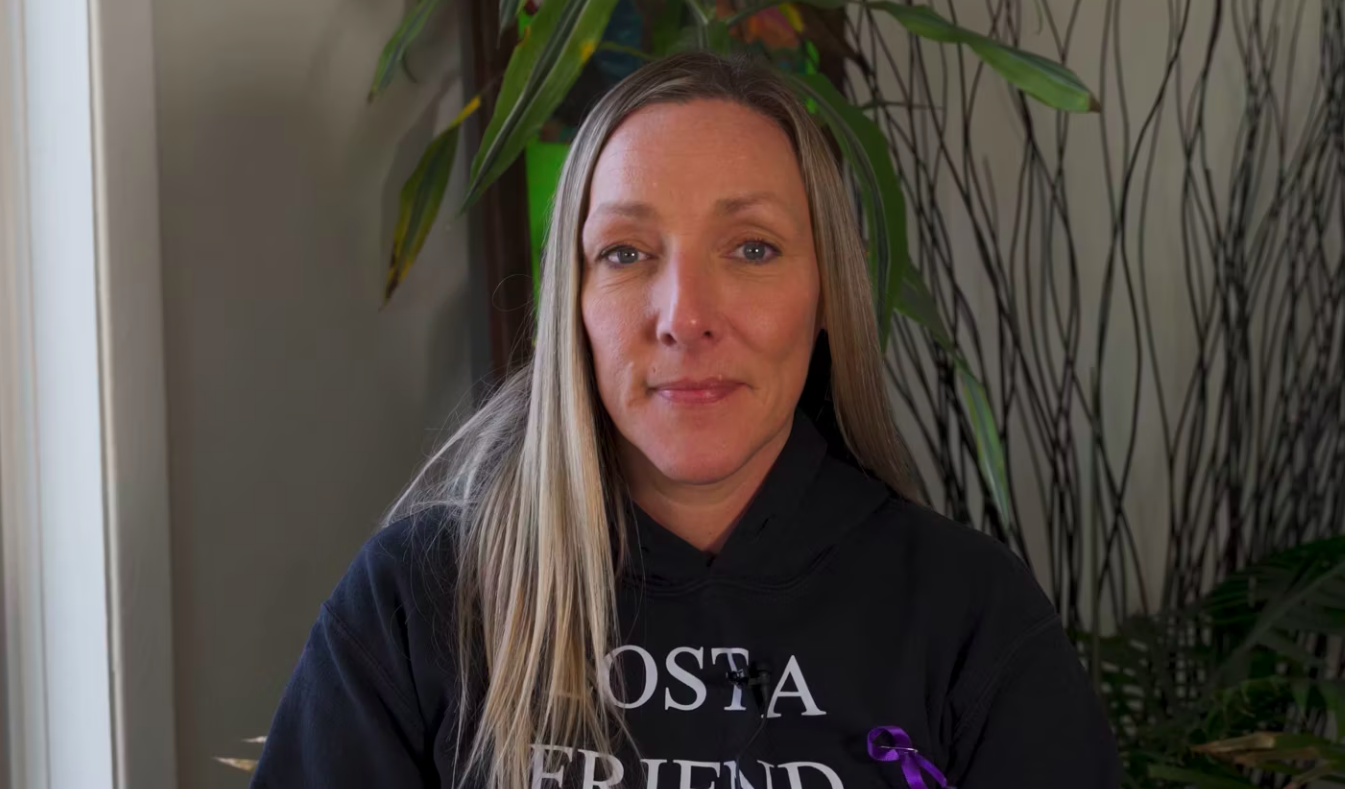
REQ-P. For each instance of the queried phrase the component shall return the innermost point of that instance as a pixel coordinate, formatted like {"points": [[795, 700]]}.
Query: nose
{"points": [[687, 300]]}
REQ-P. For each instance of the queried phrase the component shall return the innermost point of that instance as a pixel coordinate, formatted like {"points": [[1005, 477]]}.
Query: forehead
{"points": [[668, 153]]}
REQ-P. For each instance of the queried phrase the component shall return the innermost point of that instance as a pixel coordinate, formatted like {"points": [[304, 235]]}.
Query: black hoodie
{"points": [[842, 638]]}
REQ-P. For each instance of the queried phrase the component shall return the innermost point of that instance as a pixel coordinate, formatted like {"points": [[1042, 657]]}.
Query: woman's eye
{"points": [[758, 251], [622, 256]]}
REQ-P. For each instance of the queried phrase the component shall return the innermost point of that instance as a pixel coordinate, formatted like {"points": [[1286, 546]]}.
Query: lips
{"points": [[688, 391]]}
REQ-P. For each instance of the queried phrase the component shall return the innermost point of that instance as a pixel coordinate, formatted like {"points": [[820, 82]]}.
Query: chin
{"points": [[690, 461], [698, 471], [698, 446]]}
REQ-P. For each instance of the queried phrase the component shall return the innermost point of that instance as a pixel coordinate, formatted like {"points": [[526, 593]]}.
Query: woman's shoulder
{"points": [[908, 542], [940, 539], [966, 575], [401, 578], [409, 545], [975, 606], [373, 687]]}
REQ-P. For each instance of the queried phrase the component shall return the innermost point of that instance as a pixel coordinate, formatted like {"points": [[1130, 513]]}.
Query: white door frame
{"points": [[83, 449]]}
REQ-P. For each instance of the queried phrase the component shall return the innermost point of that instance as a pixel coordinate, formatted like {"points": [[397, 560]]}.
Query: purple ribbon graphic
{"points": [[893, 744]]}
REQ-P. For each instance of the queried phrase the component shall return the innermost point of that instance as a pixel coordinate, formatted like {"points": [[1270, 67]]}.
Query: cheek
{"points": [[783, 322], [612, 324]]}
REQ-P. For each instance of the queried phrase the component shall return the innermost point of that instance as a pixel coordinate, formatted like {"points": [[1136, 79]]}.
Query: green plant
{"points": [[1241, 687], [560, 38]]}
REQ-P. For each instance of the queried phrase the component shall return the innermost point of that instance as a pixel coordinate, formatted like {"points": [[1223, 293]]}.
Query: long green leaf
{"points": [[897, 285], [541, 71], [1046, 81], [1332, 694], [913, 299], [394, 52], [717, 37], [1302, 692], [421, 197], [508, 13], [1262, 748], [865, 150], [1330, 622], [1317, 773], [989, 449], [1199, 779], [1298, 586], [924, 21], [666, 28], [699, 14], [714, 36], [1288, 648]]}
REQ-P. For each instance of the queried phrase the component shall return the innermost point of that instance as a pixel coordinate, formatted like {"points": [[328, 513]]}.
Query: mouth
{"points": [[687, 391]]}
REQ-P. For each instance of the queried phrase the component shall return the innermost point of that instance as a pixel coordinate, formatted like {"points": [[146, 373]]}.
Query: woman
{"points": [[680, 549]]}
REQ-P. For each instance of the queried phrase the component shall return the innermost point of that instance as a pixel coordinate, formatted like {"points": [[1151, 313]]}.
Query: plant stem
{"points": [[1095, 569], [698, 11], [876, 103], [625, 50]]}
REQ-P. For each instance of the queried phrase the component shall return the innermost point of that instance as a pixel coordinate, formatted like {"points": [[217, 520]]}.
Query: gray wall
{"points": [[296, 407]]}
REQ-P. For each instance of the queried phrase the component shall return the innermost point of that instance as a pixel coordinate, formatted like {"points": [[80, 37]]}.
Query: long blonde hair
{"points": [[532, 493]]}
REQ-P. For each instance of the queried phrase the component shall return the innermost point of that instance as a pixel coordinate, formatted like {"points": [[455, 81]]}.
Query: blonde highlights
{"points": [[534, 502]]}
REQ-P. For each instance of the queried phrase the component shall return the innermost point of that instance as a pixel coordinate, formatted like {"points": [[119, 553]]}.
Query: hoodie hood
{"points": [[807, 502]]}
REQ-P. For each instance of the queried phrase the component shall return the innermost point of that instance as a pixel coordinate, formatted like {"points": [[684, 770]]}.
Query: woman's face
{"points": [[700, 288]]}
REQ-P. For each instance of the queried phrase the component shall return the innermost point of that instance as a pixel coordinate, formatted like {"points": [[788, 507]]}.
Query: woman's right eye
{"points": [[622, 256]]}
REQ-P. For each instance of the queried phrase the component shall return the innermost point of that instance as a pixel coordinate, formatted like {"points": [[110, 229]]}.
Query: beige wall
{"points": [[1140, 42], [296, 407]]}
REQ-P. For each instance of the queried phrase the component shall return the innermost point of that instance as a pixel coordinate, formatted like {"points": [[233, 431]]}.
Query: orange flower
{"points": [[776, 28], [771, 27]]}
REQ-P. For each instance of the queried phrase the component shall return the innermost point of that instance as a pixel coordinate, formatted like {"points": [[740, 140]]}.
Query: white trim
{"points": [[83, 459], [25, 722], [134, 399], [71, 513]]}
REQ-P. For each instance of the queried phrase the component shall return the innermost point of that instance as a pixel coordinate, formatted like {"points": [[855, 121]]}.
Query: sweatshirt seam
{"points": [[380, 674], [998, 670]]}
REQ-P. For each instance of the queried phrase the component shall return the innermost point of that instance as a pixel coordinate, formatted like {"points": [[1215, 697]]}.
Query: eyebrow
{"points": [[728, 206], [724, 206], [631, 210]]}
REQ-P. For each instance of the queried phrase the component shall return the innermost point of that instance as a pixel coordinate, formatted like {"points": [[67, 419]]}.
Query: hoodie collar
{"points": [[805, 503]]}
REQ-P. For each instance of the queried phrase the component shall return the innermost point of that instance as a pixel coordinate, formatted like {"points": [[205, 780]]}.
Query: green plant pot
{"points": [[543, 164]]}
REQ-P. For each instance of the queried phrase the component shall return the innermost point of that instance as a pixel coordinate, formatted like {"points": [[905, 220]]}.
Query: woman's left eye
{"points": [[757, 251]]}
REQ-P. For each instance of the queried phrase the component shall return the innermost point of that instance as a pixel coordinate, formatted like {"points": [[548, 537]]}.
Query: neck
{"points": [[703, 514]]}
